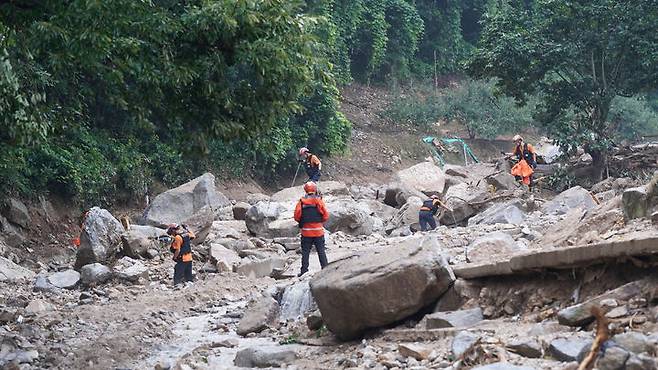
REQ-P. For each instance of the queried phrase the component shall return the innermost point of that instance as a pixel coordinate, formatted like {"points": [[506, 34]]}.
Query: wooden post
{"points": [[436, 76]]}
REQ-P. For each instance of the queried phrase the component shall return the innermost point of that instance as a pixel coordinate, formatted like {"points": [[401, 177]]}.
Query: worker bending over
{"points": [[181, 247], [527, 161], [312, 164], [427, 212]]}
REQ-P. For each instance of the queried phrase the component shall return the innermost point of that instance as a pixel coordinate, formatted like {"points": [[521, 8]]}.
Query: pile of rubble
{"points": [[506, 282]]}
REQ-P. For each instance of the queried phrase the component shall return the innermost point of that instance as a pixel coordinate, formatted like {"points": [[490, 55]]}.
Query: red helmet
{"points": [[310, 187], [303, 150]]}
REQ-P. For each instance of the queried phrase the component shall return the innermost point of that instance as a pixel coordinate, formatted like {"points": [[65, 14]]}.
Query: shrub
{"points": [[471, 103]]}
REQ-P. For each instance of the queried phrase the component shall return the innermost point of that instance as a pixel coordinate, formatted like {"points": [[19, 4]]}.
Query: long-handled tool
{"points": [[296, 172]]}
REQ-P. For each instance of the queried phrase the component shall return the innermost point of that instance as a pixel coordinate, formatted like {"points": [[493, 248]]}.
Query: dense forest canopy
{"points": [[99, 98], [581, 56]]}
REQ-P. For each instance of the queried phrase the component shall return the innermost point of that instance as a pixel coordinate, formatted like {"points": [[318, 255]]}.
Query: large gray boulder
{"points": [[614, 358], [642, 361], [407, 215], [95, 273], [497, 244], [100, 238], [264, 356], [454, 319], [260, 215], [380, 286], [254, 198], [42, 284], [634, 342], [526, 347], [260, 314], [349, 217], [223, 258], [283, 228], [179, 204], [240, 210], [575, 197], [567, 350], [457, 171], [17, 212], [501, 213], [13, 235], [226, 229], [503, 181], [200, 223], [425, 177], [378, 209], [368, 191], [397, 195], [460, 199], [463, 341], [139, 239], [131, 270], [326, 188], [9, 271], [67, 279], [634, 203], [257, 268]]}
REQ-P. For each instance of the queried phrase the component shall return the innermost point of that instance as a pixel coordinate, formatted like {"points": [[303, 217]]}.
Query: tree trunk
{"points": [[599, 163], [601, 129]]}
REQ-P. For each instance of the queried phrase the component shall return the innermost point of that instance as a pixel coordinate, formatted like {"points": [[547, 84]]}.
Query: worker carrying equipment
{"points": [[312, 164], [311, 213], [527, 161], [427, 212], [181, 247]]}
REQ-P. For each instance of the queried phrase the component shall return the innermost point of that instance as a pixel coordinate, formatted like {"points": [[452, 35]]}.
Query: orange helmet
{"points": [[303, 150], [310, 187]]}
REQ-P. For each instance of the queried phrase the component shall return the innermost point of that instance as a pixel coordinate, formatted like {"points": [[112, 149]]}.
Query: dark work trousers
{"points": [[182, 272], [307, 243], [425, 218], [315, 177]]}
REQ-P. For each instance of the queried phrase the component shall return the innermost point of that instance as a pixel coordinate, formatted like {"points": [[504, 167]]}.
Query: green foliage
{"points": [[21, 115], [394, 40], [579, 54], [374, 38], [471, 103], [632, 118], [121, 92], [560, 180], [444, 46], [290, 339], [93, 168]]}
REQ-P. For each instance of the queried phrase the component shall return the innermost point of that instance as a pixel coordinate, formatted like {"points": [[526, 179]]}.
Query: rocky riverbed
{"points": [[506, 282]]}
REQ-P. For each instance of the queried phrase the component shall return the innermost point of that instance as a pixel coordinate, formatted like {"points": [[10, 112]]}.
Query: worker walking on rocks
{"points": [[181, 247], [427, 212], [311, 213], [527, 161], [312, 164]]}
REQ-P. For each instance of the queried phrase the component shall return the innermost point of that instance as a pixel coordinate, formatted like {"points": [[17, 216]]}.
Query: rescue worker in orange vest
{"points": [[311, 213], [312, 164], [527, 161], [427, 212], [181, 247]]}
